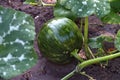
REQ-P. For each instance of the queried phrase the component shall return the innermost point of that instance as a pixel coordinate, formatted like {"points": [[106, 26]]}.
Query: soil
{"points": [[44, 70]]}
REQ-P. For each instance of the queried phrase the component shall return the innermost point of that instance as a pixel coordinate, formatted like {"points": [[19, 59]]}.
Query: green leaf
{"points": [[115, 5], [98, 41], [60, 11], [113, 0], [117, 41], [83, 8], [16, 42], [29, 1], [111, 18]]}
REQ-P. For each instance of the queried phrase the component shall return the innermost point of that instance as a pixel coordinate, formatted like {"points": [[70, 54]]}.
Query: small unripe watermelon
{"points": [[58, 38]]}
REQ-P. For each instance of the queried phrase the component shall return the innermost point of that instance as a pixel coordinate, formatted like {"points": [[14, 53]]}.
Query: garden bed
{"points": [[45, 70]]}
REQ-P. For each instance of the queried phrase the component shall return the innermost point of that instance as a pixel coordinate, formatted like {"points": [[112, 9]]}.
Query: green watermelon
{"points": [[58, 38]]}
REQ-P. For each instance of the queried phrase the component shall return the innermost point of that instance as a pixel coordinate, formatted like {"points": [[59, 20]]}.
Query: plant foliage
{"points": [[30, 1], [16, 42], [117, 41], [83, 8], [98, 41], [113, 17]]}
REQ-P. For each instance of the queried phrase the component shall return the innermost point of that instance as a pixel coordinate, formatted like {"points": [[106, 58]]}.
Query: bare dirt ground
{"points": [[45, 70]]}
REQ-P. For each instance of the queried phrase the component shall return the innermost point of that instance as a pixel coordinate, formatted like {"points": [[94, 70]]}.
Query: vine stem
{"points": [[87, 49], [41, 3], [96, 60], [84, 64], [69, 75], [45, 4], [86, 35]]}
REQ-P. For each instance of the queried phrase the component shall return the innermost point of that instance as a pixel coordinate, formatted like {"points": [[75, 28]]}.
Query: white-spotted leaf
{"points": [[83, 8], [16, 42]]}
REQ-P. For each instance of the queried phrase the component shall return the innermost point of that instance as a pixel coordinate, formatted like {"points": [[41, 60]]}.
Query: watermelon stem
{"points": [[75, 54]]}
